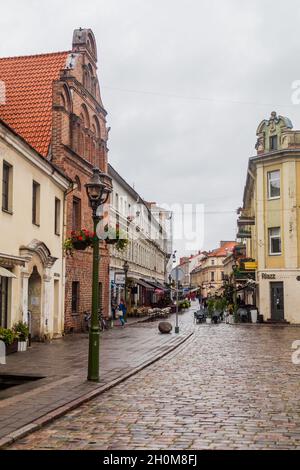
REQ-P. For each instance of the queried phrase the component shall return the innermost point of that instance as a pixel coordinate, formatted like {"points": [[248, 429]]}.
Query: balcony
{"points": [[244, 221], [243, 234]]}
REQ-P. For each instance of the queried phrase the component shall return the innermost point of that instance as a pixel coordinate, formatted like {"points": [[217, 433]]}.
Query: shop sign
{"points": [[268, 276], [250, 265], [120, 279]]}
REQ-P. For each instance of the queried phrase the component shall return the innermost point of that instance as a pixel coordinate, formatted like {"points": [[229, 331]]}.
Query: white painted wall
{"points": [[17, 229]]}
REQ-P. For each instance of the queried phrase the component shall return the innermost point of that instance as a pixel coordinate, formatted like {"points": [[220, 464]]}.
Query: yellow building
{"points": [[210, 275], [269, 221], [31, 237]]}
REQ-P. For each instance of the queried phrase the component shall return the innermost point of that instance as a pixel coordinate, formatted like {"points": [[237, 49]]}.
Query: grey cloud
{"points": [[239, 57]]}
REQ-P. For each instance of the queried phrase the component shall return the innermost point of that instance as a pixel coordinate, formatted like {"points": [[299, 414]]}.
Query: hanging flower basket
{"points": [[115, 236], [80, 245], [109, 241], [79, 240]]}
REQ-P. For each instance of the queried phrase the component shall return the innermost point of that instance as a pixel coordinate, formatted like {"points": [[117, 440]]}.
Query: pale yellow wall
{"points": [[17, 229], [282, 213], [291, 294], [273, 218]]}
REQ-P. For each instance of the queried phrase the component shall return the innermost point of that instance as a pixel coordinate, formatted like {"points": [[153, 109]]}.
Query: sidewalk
{"points": [[62, 365]]}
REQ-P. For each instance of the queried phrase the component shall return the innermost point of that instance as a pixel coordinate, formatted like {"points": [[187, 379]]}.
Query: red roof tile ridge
{"points": [[31, 56]]}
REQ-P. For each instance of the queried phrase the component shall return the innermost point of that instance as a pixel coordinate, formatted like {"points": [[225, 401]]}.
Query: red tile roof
{"points": [[28, 95], [224, 250]]}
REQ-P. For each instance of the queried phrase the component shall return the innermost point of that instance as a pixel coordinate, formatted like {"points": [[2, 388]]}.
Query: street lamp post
{"points": [[98, 192], [177, 288], [126, 269]]}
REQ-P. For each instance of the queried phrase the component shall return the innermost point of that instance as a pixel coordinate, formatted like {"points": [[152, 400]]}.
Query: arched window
{"points": [[92, 45], [62, 100], [84, 116], [80, 141], [93, 89], [91, 80], [96, 127], [78, 183], [87, 147]]}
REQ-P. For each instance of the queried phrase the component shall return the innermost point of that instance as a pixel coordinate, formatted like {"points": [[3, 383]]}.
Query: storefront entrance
{"points": [[277, 301], [34, 303], [4, 301]]}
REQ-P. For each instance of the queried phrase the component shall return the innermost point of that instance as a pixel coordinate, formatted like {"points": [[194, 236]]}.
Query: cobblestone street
{"points": [[63, 364], [228, 387]]}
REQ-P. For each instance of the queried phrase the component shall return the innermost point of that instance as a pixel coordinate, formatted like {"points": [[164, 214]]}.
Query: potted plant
{"points": [[230, 314], [21, 329], [10, 338], [220, 305], [79, 240], [210, 310], [235, 314], [116, 236]]}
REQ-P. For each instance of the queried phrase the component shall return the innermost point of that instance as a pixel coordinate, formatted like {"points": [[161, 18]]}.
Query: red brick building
{"points": [[53, 101]]}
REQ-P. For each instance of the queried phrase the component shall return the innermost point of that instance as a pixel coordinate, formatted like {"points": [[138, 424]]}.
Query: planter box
{"points": [[111, 241], [80, 245], [22, 346], [12, 348]]}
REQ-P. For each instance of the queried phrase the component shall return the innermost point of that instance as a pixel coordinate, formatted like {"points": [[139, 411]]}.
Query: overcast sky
{"points": [[185, 84]]}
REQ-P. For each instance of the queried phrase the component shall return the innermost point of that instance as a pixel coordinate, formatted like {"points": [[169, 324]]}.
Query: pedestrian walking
{"points": [[114, 307], [123, 309]]}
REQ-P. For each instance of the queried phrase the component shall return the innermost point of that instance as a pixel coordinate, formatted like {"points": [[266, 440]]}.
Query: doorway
{"points": [[34, 303], [4, 301], [56, 326], [277, 301]]}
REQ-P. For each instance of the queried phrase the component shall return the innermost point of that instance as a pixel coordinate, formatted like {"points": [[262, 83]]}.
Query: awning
{"points": [[6, 273], [157, 285], [144, 284]]}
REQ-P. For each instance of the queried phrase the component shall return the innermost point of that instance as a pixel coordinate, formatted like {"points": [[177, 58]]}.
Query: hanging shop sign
{"points": [[119, 278]]}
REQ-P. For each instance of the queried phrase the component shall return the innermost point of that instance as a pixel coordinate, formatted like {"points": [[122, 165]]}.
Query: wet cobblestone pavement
{"points": [[63, 368], [229, 387]]}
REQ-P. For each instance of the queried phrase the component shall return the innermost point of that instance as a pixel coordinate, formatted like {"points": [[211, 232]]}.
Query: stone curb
{"points": [[62, 410]]}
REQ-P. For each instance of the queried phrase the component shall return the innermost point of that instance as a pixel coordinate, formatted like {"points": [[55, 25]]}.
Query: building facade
{"points": [[210, 274], [32, 268], [269, 221], [147, 252], [54, 103]]}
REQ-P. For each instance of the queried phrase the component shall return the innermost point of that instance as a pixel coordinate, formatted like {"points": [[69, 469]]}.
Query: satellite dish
{"points": [[177, 274]]}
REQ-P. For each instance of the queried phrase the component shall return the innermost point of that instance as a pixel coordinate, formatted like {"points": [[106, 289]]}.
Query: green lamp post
{"points": [[126, 269], [98, 192]]}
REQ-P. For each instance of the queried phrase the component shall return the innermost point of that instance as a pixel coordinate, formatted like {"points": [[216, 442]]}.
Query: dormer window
{"points": [[273, 142]]}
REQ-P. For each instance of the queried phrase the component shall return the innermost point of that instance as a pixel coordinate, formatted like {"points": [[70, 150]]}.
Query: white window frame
{"points": [[271, 237], [270, 179]]}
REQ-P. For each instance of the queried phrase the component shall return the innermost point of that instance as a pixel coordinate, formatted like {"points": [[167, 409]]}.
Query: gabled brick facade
{"points": [[79, 143], [53, 101]]}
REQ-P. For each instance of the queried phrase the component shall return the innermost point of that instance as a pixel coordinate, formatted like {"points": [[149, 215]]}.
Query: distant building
{"points": [[149, 246], [184, 264], [209, 275]]}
